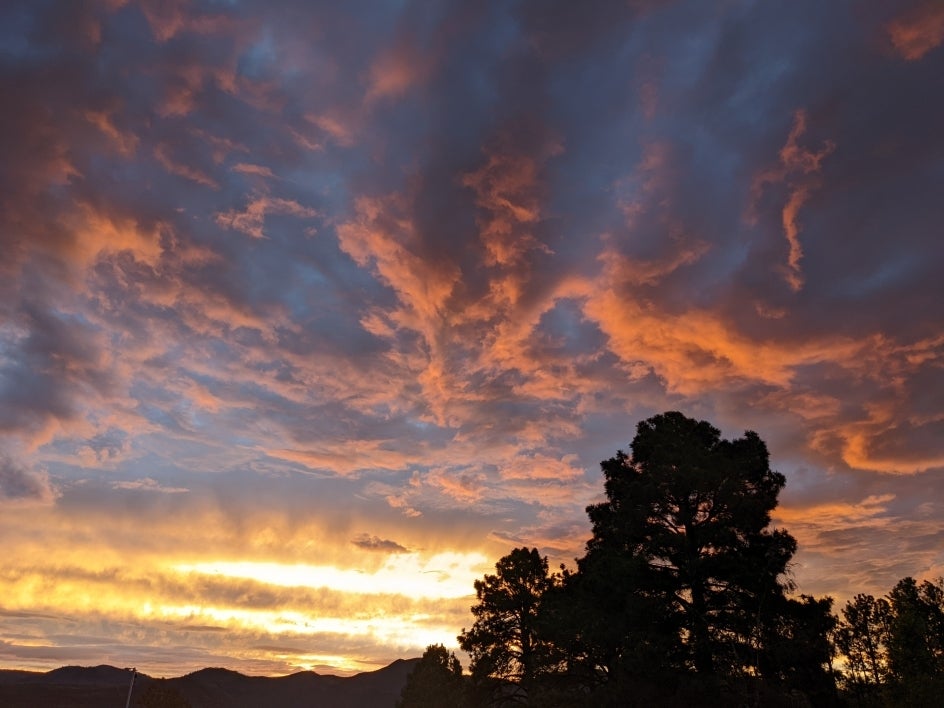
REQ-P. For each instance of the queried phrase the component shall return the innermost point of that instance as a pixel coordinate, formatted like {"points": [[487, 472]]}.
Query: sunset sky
{"points": [[311, 311]]}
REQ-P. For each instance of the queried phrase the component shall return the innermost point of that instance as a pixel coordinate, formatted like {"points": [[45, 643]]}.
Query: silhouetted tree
{"points": [[916, 643], [435, 681], [683, 541], [862, 638], [797, 650], [894, 646], [916, 636], [506, 641]]}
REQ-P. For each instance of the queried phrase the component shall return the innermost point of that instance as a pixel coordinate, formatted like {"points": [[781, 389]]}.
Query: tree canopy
{"points": [[685, 526], [435, 681], [683, 597], [506, 642]]}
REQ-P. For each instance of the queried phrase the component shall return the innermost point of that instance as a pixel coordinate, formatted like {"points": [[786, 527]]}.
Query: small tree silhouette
{"points": [[435, 681]]}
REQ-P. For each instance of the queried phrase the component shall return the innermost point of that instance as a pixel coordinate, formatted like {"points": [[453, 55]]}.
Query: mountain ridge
{"points": [[209, 687]]}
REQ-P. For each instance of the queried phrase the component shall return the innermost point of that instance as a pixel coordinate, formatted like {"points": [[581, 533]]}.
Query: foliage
{"points": [[862, 638], [916, 636], [683, 598], [435, 681], [684, 532], [797, 651], [894, 646], [506, 640]]}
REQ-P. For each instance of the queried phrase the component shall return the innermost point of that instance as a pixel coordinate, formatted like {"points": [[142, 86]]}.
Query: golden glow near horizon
{"points": [[407, 601], [443, 575]]}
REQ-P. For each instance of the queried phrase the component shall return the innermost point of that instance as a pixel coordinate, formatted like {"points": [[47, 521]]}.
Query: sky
{"points": [[311, 311]]}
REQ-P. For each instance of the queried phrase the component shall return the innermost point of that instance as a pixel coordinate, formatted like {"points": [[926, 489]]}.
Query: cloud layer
{"points": [[331, 286]]}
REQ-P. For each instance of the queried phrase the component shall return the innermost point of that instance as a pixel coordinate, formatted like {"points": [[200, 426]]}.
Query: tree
{"points": [[862, 637], [506, 641], [894, 646], [916, 632], [684, 533], [435, 681], [797, 649]]}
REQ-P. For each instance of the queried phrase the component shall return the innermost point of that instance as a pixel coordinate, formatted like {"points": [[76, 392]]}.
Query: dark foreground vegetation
{"points": [[683, 598]]}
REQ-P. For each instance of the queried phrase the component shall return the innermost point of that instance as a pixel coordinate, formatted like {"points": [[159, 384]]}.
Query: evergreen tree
{"points": [[506, 641], [684, 534], [862, 637], [894, 646], [435, 681]]}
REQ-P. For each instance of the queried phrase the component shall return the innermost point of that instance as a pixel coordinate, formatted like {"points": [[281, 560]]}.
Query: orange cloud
{"points": [[124, 142], [250, 169], [251, 219], [798, 167], [696, 350], [97, 233], [543, 467], [396, 71], [162, 154], [346, 458], [466, 486], [837, 515], [506, 190], [887, 438], [380, 237], [918, 31]]}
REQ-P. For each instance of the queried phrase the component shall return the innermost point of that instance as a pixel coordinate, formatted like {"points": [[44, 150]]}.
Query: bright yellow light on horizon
{"points": [[447, 575], [398, 630]]}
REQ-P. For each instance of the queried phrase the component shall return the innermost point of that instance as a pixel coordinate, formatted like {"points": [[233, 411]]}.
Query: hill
{"points": [[102, 686]]}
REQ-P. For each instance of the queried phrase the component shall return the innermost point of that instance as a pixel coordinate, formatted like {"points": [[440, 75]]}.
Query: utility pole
{"points": [[134, 672]]}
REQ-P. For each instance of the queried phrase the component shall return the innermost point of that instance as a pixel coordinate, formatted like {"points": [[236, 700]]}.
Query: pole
{"points": [[131, 688]]}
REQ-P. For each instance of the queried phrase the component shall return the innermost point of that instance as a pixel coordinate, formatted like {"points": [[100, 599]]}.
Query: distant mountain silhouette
{"points": [[103, 686]]}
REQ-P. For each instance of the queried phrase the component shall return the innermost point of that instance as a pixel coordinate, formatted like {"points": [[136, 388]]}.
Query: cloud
{"points": [[798, 167], [161, 153], [395, 72], [20, 484], [918, 31], [505, 191], [251, 219], [417, 272], [148, 484], [250, 169], [375, 543]]}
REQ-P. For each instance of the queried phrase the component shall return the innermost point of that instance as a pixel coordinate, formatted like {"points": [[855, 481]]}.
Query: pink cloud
{"points": [[395, 71], [918, 31], [251, 219], [148, 484], [250, 169]]}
